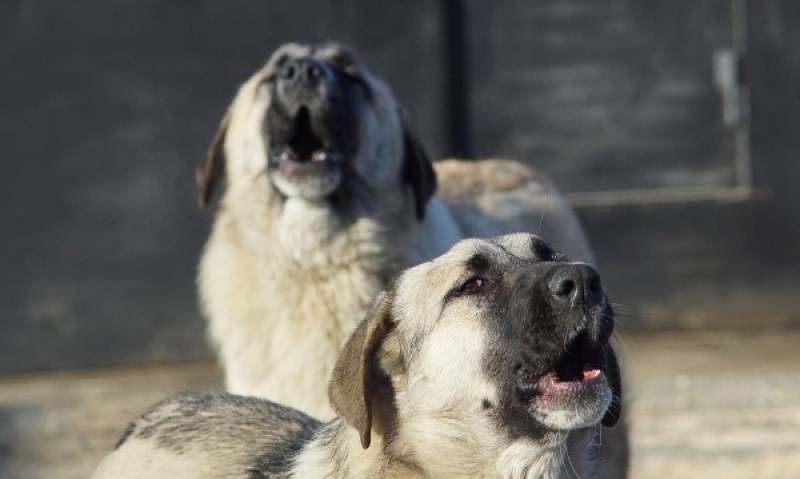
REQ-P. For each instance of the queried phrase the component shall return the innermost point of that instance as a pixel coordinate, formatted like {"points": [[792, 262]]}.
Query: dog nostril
{"points": [[564, 287], [595, 285], [575, 282], [312, 72], [302, 71], [289, 72]]}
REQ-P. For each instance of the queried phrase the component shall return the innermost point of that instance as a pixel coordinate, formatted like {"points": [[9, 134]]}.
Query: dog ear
{"points": [[355, 375], [614, 411], [213, 169], [417, 171]]}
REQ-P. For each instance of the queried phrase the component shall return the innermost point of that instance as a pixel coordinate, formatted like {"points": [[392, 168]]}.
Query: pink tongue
{"points": [[591, 374]]}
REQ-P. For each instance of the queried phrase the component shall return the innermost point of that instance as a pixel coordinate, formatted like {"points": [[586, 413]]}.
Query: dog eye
{"points": [[471, 286], [351, 70]]}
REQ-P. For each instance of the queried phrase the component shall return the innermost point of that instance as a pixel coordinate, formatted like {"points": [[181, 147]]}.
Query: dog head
{"points": [[495, 341], [317, 125]]}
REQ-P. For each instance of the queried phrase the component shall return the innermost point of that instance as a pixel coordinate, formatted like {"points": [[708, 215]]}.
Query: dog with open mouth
{"points": [[492, 360], [329, 194]]}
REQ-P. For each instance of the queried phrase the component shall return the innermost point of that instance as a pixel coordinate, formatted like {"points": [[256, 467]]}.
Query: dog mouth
{"points": [[304, 162], [305, 144], [576, 374]]}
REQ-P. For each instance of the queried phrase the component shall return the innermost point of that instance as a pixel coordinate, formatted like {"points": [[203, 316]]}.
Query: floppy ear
{"points": [[417, 171], [355, 376], [214, 167], [614, 411]]}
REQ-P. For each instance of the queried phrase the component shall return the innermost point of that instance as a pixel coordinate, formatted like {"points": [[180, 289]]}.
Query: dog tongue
{"points": [[582, 376], [590, 374]]}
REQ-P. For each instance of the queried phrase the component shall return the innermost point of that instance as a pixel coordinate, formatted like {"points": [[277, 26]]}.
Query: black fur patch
{"points": [[478, 263], [334, 116], [279, 459], [528, 328], [543, 252]]}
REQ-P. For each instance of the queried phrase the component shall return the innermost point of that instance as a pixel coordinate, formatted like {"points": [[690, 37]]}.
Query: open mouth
{"points": [[304, 162], [580, 367], [304, 144]]}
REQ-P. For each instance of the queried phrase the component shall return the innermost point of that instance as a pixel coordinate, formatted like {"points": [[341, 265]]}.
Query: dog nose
{"points": [[302, 72], [577, 284]]}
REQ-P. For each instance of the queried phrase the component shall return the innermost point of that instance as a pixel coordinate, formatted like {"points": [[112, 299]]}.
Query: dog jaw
{"points": [[575, 392], [567, 405]]}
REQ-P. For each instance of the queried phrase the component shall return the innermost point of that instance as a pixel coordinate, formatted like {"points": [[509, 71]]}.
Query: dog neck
{"points": [[317, 236], [563, 456], [441, 452], [306, 230], [336, 452]]}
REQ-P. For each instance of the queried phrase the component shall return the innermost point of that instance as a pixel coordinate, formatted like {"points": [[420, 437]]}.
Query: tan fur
{"points": [[411, 387], [282, 284]]}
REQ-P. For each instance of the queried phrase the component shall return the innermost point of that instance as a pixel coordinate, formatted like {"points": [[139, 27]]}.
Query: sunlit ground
{"points": [[703, 405]]}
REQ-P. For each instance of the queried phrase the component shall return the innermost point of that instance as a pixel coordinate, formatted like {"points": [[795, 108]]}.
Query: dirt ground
{"points": [[703, 405]]}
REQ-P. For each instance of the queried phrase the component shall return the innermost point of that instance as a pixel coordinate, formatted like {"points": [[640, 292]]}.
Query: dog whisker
{"points": [[544, 213], [569, 461]]}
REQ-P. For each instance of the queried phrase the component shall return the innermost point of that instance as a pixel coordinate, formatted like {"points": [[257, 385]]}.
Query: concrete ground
{"points": [[703, 405]]}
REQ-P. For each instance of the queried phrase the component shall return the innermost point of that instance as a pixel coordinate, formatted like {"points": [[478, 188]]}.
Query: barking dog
{"points": [[489, 361], [328, 195]]}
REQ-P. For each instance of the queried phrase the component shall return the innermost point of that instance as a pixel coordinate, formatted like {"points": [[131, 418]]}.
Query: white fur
{"points": [[146, 459], [572, 419]]}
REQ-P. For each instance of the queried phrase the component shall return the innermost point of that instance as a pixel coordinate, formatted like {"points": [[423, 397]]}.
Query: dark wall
{"points": [[602, 95], [721, 264], [107, 108]]}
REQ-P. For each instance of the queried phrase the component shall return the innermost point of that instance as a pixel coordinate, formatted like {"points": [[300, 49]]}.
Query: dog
{"points": [[329, 194], [492, 360]]}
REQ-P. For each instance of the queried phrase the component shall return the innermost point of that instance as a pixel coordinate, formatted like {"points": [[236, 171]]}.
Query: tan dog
{"points": [[490, 361], [328, 195]]}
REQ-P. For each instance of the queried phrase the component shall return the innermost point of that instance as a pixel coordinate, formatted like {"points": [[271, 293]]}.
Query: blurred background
{"points": [[671, 125]]}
